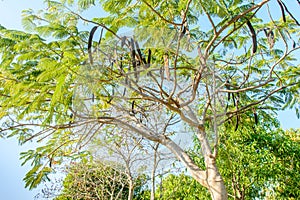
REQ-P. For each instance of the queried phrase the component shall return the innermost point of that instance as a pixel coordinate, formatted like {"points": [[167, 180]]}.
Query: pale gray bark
{"points": [[209, 178], [153, 172]]}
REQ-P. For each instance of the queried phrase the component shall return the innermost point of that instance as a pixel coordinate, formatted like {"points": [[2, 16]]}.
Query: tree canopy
{"points": [[160, 69]]}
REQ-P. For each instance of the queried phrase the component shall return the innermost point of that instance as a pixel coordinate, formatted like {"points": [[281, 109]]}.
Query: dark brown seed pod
{"points": [[282, 10], [255, 116], [132, 107], [133, 55], [100, 38], [292, 16], [237, 115], [90, 40], [253, 35], [141, 58], [149, 57], [237, 123]]}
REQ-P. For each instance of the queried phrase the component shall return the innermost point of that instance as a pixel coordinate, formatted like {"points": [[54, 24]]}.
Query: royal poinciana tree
{"points": [[187, 67]]}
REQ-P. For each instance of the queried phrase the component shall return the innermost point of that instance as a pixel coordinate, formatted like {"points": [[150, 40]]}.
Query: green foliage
{"points": [[95, 180], [181, 187], [37, 175], [258, 161]]}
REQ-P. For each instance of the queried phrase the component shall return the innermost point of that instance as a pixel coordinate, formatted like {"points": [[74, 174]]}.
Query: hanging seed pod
{"points": [[149, 58], [286, 9], [90, 40], [140, 56], [282, 10], [166, 66], [270, 37], [253, 35]]}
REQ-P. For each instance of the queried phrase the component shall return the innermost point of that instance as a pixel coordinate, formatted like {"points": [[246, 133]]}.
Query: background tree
{"points": [[181, 186], [97, 181], [189, 74], [252, 166], [125, 150], [137, 156]]}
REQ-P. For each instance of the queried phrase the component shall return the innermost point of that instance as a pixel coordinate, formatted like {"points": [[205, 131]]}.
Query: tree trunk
{"points": [[152, 196], [155, 163], [215, 182], [131, 187], [210, 178]]}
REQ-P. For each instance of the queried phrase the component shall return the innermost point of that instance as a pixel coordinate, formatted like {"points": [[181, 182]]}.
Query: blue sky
{"points": [[11, 172]]}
